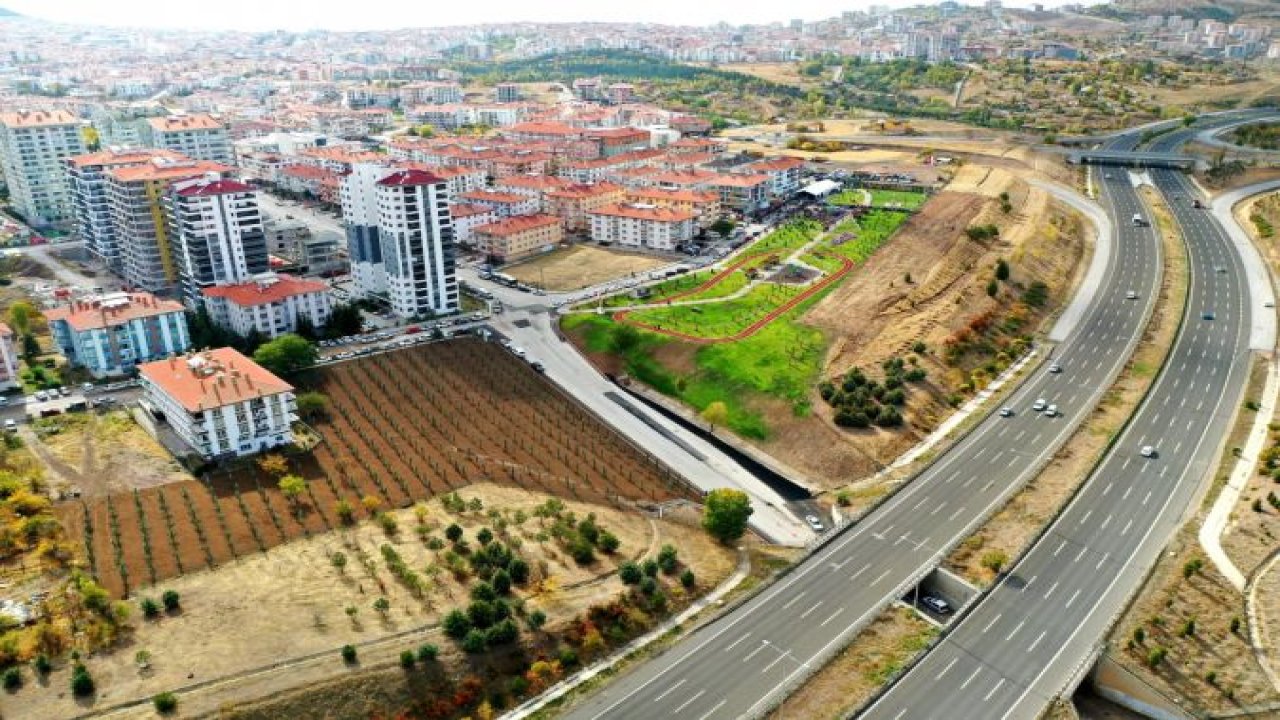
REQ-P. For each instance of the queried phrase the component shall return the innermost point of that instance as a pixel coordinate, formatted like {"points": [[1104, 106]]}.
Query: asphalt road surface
{"points": [[1040, 627], [749, 659]]}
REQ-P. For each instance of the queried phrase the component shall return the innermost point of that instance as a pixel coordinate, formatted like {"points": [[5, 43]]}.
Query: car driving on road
{"points": [[1147, 451]]}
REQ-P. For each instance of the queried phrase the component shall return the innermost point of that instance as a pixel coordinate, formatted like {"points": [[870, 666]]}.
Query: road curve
{"points": [[1031, 636], [752, 657]]}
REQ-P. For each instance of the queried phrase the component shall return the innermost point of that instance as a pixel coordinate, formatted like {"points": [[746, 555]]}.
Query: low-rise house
{"points": [[704, 205], [573, 203], [110, 334], [221, 403], [506, 204]]}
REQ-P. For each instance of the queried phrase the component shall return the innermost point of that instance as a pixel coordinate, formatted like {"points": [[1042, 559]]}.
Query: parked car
{"points": [[936, 604]]}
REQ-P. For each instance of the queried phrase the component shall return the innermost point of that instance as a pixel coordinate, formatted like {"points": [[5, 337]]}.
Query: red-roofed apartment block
{"points": [[110, 334], [220, 402], [269, 303], [517, 237], [642, 226]]}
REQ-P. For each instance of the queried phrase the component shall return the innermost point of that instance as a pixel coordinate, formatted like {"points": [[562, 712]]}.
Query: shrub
{"points": [[667, 560], [995, 561], [455, 624], [407, 659], [474, 642], [81, 682], [453, 532], [480, 613], [649, 568], [518, 569], [518, 686], [535, 620], [171, 600], [503, 633], [428, 653], [993, 287], [1156, 656], [630, 573], [150, 608], [1139, 635], [346, 512], [582, 551], [165, 702], [568, 657], [1235, 625], [12, 679], [1002, 270], [501, 582], [1191, 567], [686, 579], [608, 543], [648, 585], [484, 591], [1189, 627], [484, 536], [42, 664]]}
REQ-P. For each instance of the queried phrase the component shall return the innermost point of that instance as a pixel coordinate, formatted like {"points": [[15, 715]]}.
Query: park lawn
{"points": [[721, 319], [823, 261], [905, 199], [788, 237], [847, 198], [871, 231]]}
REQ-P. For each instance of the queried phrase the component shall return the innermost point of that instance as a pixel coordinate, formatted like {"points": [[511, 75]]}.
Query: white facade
{"points": [[269, 304], [32, 148], [360, 215], [219, 234], [642, 226], [221, 403], [8, 359], [418, 246], [196, 136]]}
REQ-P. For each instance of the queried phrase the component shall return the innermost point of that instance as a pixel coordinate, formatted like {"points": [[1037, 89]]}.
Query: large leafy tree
{"points": [[286, 354], [725, 513]]}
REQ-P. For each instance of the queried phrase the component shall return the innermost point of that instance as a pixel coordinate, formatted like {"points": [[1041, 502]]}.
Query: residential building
{"points": [[467, 217], [135, 195], [506, 93], [534, 186], [784, 174], [284, 236], [517, 237], [120, 125], [33, 145], [110, 334], [360, 217], [705, 206], [572, 204], [269, 304], [8, 359], [418, 246], [219, 234], [221, 403], [197, 136], [506, 204], [744, 193], [642, 226], [87, 177]]}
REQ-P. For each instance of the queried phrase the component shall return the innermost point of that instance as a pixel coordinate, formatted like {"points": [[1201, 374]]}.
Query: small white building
{"points": [[269, 303], [220, 402], [642, 226]]}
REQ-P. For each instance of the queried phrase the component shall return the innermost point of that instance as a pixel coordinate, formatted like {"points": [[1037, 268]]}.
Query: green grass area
{"points": [[870, 231], [823, 262], [788, 237], [846, 198], [721, 319], [898, 198]]}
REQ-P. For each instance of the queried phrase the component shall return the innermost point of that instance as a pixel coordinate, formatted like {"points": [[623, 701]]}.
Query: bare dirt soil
{"points": [[877, 314], [290, 602], [1010, 530], [1167, 602], [582, 266], [840, 688], [101, 454], [384, 439]]}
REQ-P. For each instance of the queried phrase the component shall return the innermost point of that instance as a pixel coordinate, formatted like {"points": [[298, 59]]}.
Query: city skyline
{"points": [[244, 15]]}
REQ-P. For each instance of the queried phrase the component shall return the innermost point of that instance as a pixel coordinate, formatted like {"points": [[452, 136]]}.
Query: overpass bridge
{"points": [[1124, 158]]}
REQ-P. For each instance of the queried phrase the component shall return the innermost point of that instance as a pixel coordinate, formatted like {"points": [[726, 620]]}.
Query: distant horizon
{"points": [[385, 15]]}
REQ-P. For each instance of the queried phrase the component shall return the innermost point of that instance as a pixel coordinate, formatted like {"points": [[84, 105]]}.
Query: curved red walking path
{"points": [[845, 266]]}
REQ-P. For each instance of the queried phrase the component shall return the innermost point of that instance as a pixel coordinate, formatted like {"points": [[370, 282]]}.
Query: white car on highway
{"points": [[1147, 451]]}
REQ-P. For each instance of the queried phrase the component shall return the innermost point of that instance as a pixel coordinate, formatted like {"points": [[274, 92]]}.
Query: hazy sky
{"points": [[382, 14]]}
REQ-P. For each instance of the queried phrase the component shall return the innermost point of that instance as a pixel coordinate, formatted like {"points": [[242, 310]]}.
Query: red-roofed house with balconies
{"points": [[110, 334], [269, 303], [221, 403], [517, 237], [642, 226]]}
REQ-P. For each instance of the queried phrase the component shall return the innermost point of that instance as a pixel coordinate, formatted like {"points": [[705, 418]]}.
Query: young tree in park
{"points": [[716, 413], [274, 464], [725, 513], [311, 404], [293, 487]]}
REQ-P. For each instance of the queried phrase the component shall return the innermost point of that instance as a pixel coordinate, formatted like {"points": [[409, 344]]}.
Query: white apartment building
{"points": [[8, 359], [110, 334], [221, 403], [360, 216], [269, 304], [196, 136], [467, 217], [642, 226], [32, 147], [218, 233], [87, 177], [418, 246]]}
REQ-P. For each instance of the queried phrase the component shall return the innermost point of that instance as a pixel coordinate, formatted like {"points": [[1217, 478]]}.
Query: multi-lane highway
{"points": [[749, 659], [1018, 648]]}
